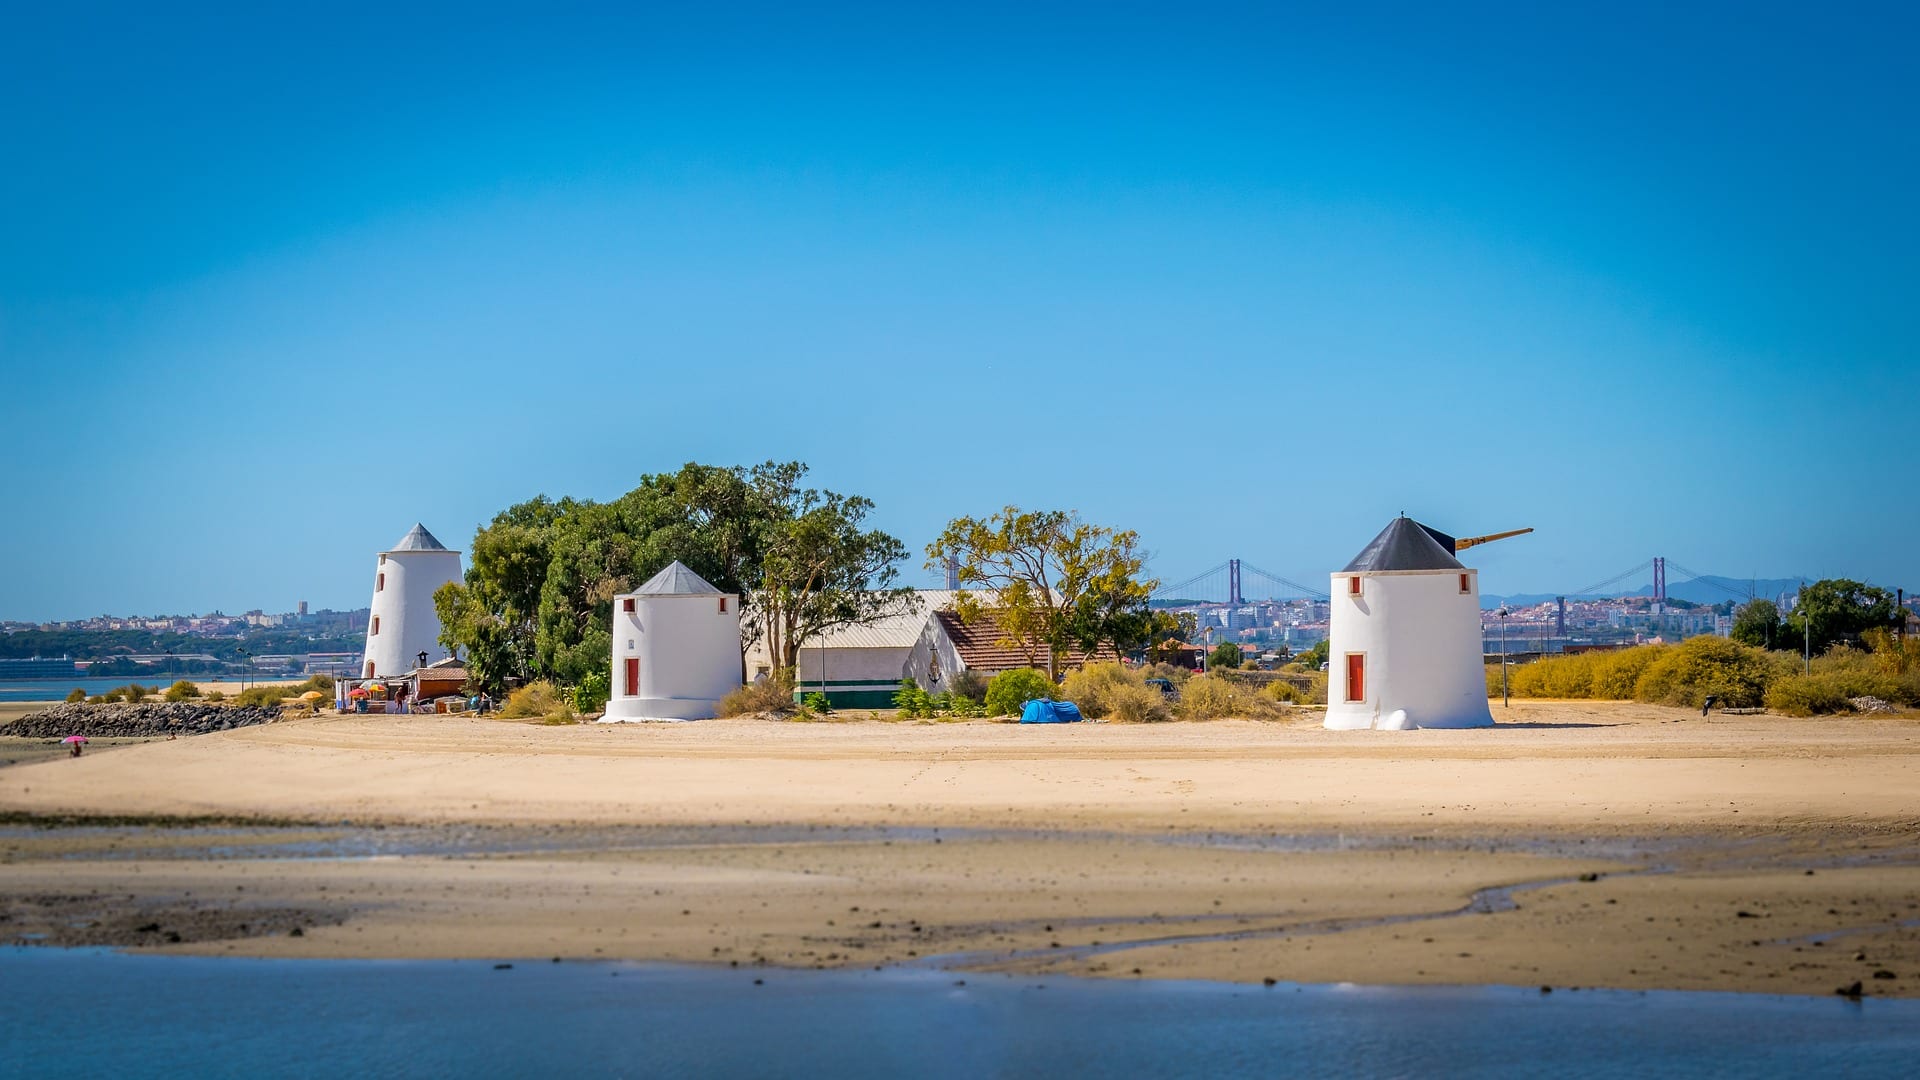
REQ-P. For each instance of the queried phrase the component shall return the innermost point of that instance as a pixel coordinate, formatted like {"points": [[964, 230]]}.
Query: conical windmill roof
{"points": [[1405, 544], [418, 539], [676, 580]]}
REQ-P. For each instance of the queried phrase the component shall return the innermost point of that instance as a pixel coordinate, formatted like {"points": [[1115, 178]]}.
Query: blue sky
{"points": [[1247, 279]]}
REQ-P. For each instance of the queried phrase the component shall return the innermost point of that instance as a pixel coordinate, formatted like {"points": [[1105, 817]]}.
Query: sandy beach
{"points": [[1578, 844]]}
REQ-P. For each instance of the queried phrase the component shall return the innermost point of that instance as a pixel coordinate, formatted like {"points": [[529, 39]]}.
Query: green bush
{"points": [[912, 701], [539, 699], [1809, 695], [182, 691], [773, 695], [214, 695], [590, 694], [1224, 655], [100, 699], [133, 693], [77, 695], [1010, 691], [816, 702]]}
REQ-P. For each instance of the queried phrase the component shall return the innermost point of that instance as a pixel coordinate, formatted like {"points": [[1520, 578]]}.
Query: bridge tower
{"points": [[1659, 584], [1233, 582], [1560, 617]]}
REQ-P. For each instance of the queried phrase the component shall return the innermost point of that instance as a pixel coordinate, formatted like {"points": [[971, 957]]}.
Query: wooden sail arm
{"points": [[1466, 542]]}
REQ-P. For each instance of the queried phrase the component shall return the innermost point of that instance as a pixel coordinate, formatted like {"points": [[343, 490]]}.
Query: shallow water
{"points": [[71, 1013]]}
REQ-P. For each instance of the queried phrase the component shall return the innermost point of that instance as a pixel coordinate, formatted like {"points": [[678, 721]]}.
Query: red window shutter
{"points": [[379, 582], [369, 669], [1464, 587], [627, 604], [376, 624], [633, 676], [1353, 586], [1356, 676], [723, 605]]}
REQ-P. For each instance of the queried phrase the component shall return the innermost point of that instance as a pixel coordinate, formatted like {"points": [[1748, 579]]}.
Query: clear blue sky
{"points": [[1248, 280]]}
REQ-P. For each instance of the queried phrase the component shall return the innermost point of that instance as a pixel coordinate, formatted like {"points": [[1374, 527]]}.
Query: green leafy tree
{"points": [[1224, 655], [819, 569], [1052, 580], [1314, 657], [1757, 622], [1837, 610]]}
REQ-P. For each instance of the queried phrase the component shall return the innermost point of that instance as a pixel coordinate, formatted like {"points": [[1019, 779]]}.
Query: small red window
{"points": [[379, 582], [376, 624], [369, 669], [1353, 586], [626, 604], [1464, 587], [723, 605]]}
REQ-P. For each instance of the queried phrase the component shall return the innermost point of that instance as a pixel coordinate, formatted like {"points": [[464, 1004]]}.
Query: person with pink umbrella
{"points": [[75, 742]]}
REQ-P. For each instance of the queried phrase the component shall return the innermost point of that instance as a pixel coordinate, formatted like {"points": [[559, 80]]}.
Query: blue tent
{"points": [[1044, 711]]}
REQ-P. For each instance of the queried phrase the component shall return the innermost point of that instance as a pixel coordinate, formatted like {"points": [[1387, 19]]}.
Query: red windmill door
{"points": [[633, 676], [1356, 676]]}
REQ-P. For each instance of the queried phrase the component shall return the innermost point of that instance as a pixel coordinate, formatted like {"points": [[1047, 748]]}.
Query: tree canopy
{"points": [[537, 601], [1837, 610], [1052, 581], [1757, 622]]}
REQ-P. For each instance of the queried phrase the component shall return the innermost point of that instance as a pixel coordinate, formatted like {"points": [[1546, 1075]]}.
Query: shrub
{"points": [[99, 699], [1210, 697], [773, 694], [816, 702], [1706, 666], [539, 698], [76, 695], [214, 695], [182, 691], [590, 694], [1616, 674], [264, 695], [912, 701], [132, 692], [1010, 691], [968, 684], [1094, 687], [1137, 705], [1808, 695]]}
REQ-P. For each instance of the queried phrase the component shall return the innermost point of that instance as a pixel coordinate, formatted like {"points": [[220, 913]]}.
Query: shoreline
{"points": [[1627, 847]]}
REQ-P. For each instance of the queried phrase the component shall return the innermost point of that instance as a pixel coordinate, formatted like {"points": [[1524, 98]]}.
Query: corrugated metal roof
{"points": [[978, 644], [893, 632], [1404, 544], [676, 580], [418, 539]]}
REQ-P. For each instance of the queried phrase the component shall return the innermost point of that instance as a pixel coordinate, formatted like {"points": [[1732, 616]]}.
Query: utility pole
{"points": [[1806, 623]]}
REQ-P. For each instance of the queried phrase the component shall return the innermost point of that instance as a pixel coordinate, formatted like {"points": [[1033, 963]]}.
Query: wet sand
{"points": [[1233, 850]]}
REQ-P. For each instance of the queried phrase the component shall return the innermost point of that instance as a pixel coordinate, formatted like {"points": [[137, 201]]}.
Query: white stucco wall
{"points": [[1421, 638], [933, 643], [404, 609], [689, 653]]}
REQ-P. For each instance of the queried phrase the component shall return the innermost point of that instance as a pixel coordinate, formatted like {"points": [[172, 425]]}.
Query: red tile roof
{"points": [[980, 650]]}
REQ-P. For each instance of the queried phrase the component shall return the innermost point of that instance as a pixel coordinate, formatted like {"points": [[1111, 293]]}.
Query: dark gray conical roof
{"points": [[418, 539], [1405, 544], [676, 580]]}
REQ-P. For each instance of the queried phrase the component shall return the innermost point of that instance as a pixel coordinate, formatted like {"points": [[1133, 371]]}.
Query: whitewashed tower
{"points": [[1404, 649], [403, 624], [676, 648]]}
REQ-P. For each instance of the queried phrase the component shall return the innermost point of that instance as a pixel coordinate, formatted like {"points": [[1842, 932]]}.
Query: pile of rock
{"points": [[1871, 705], [138, 721]]}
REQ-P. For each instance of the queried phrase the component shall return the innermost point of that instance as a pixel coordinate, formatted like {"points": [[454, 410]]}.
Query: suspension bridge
{"points": [[1237, 581]]}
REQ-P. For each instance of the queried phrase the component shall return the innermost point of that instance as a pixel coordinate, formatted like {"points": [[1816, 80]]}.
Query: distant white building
{"points": [[403, 623], [1404, 640], [676, 648]]}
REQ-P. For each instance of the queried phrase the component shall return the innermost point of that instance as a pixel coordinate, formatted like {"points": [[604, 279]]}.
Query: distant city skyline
{"points": [[1249, 281]]}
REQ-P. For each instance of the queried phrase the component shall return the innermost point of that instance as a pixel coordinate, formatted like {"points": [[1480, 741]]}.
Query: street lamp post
{"points": [[1505, 701]]}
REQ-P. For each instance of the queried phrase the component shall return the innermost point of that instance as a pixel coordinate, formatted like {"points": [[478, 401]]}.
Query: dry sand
{"points": [[1234, 850]]}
